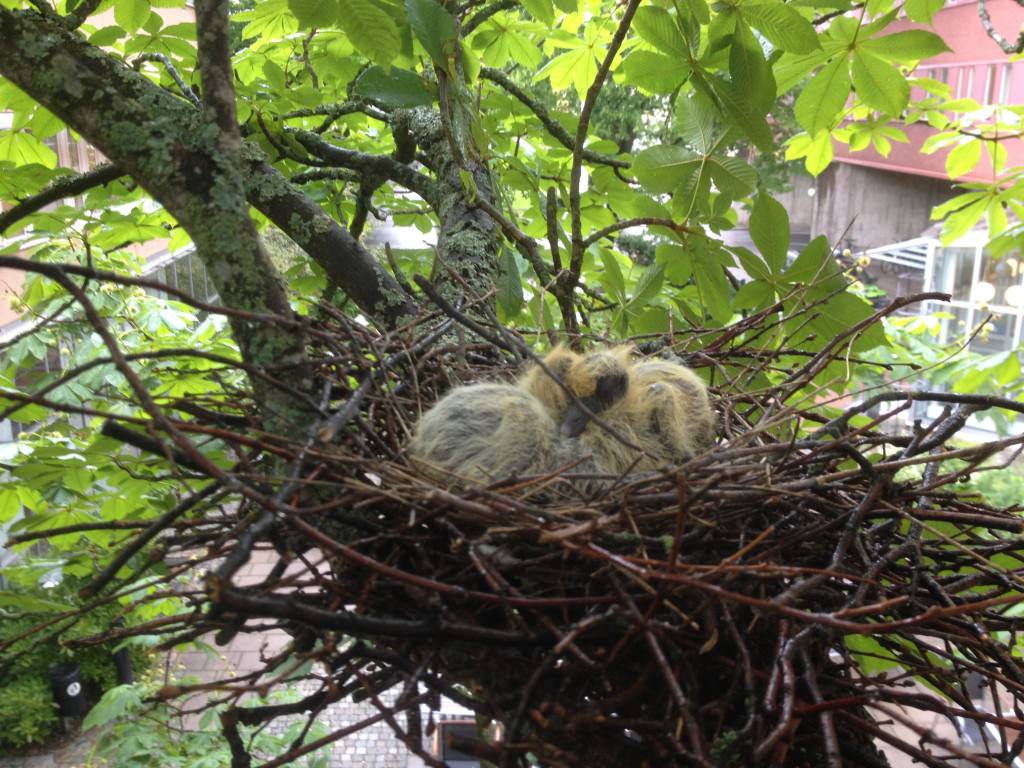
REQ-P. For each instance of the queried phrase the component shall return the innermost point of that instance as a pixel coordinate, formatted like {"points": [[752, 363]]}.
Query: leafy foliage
{"points": [[28, 712], [534, 140]]}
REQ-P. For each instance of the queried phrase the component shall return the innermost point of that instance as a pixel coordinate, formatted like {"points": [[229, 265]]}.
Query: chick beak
{"points": [[576, 419]]}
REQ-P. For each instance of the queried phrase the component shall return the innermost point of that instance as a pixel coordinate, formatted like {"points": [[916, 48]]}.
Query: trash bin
{"points": [[68, 691]]}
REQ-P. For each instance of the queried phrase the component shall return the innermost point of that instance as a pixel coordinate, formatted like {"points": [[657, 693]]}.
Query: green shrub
{"points": [[28, 712]]}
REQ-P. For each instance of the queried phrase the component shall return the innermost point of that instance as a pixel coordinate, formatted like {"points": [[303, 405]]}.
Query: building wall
{"points": [[858, 207]]}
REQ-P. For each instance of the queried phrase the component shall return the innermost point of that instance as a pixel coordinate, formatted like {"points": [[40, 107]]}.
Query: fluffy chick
{"points": [[482, 432], [677, 417], [602, 384], [658, 405]]}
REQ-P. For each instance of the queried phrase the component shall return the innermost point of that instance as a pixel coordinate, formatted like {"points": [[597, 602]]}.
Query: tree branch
{"points": [[346, 262], [576, 262], [376, 165], [66, 186], [554, 127], [991, 31], [485, 13], [357, 625]]}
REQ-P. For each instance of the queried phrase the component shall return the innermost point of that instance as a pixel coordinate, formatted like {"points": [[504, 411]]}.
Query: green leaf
{"points": [[769, 229], [509, 285], [962, 159], [751, 262], [922, 10], [824, 97], [819, 154], [753, 295], [576, 67], [31, 604], [748, 68], [274, 74], [879, 84], [713, 286], [695, 121], [541, 10], [732, 175], [115, 703], [738, 108], [648, 286], [678, 262], [370, 29], [654, 72], [131, 14], [22, 148], [662, 168], [394, 87], [314, 13], [814, 265], [871, 657], [433, 26], [909, 45], [783, 26], [657, 27], [612, 278], [958, 224], [106, 36]]}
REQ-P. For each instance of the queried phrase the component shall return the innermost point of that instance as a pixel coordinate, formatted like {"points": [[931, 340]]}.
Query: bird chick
{"points": [[658, 406], [597, 381], [677, 417], [483, 432], [601, 386]]}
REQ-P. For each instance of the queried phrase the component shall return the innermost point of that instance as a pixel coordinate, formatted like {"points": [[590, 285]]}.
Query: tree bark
{"points": [[175, 153]]}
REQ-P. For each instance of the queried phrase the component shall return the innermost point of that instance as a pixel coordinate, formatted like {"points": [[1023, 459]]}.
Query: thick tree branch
{"points": [[376, 165], [346, 262], [554, 127], [66, 186], [991, 31], [171, 155]]}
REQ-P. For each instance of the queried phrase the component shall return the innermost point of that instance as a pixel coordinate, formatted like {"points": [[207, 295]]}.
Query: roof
{"points": [[909, 253]]}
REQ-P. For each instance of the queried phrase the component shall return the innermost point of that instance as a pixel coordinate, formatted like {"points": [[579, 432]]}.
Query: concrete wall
{"points": [[857, 207]]}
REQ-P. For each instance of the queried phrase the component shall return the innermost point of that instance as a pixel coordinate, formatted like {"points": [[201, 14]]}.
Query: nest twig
{"points": [[779, 600]]}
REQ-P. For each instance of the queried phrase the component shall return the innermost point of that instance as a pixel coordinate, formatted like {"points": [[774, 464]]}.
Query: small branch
{"points": [[485, 13], [325, 174], [358, 625], [554, 127], [367, 164], [66, 186], [109, 525], [185, 89], [81, 12], [582, 129], [653, 221]]}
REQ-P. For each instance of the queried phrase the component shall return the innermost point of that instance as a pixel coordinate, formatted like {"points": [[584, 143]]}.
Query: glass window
{"points": [[954, 271], [1004, 86], [996, 333]]}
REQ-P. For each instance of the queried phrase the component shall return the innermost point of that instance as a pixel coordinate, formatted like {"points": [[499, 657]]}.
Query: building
{"points": [[864, 200]]}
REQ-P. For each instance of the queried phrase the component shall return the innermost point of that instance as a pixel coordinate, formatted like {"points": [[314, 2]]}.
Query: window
{"points": [[984, 290], [1004, 86]]}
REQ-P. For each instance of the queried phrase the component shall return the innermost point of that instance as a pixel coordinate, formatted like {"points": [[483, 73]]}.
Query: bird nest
{"points": [[798, 595]]}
